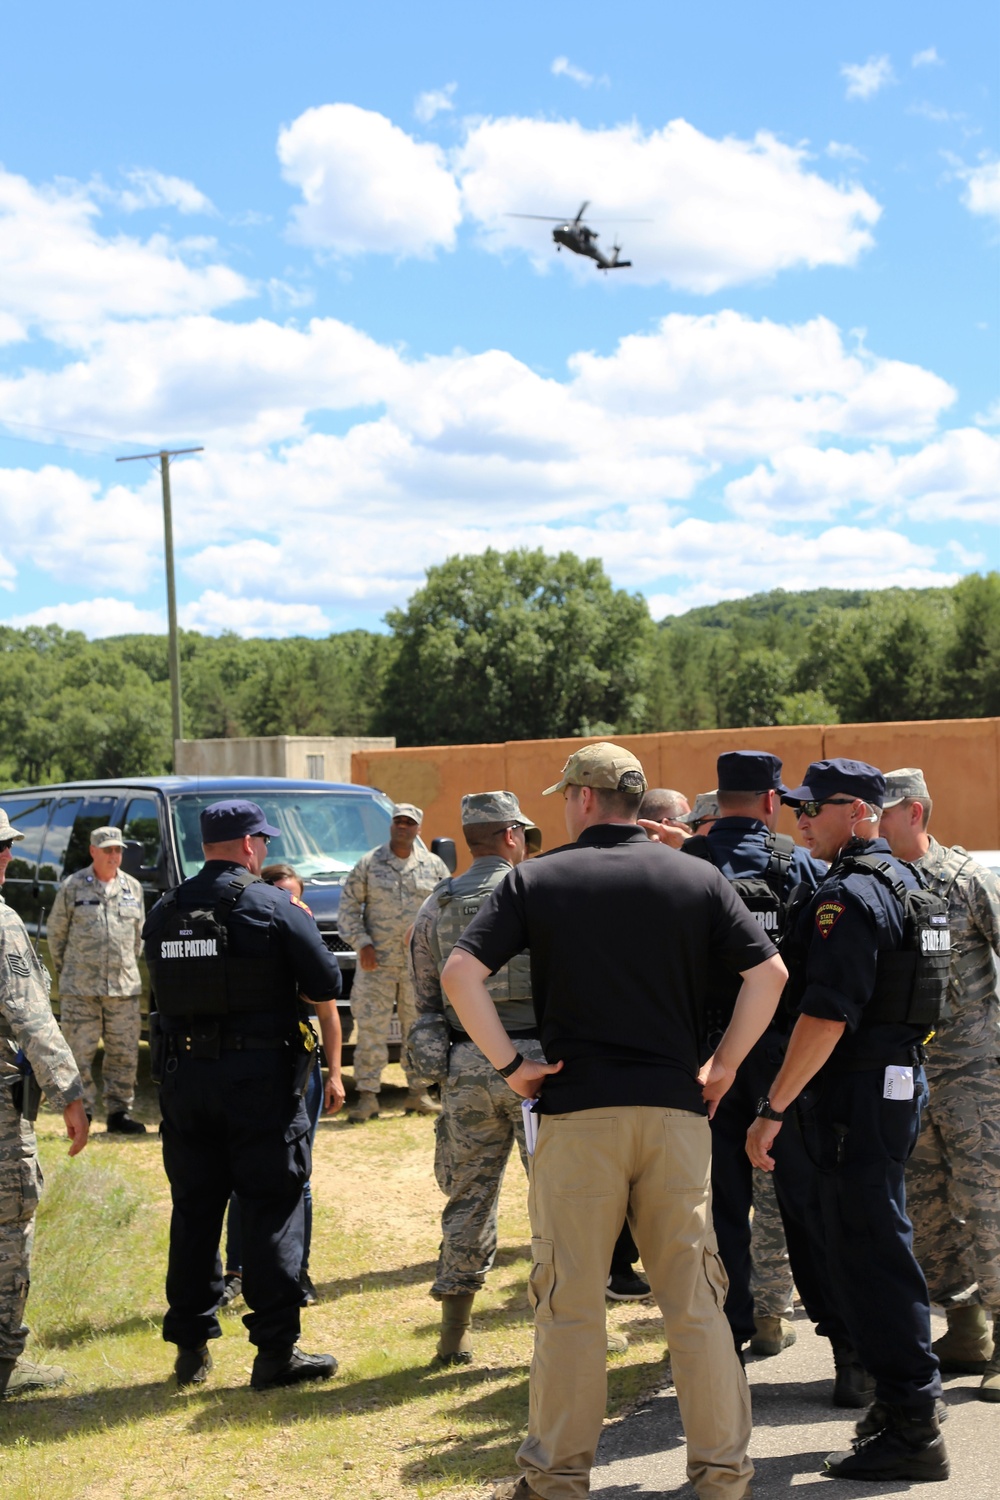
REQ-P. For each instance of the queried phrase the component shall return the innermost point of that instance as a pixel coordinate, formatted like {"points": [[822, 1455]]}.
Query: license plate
{"points": [[395, 1030]]}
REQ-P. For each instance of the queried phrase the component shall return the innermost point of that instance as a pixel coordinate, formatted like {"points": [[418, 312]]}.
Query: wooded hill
{"points": [[517, 645]]}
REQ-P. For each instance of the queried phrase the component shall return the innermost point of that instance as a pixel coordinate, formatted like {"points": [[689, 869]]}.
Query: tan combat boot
{"points": [[967, 1345], [455, 1344], [20, 1376], [419, 1103], [772, 1335], [990, 1388], [365, 1109]]}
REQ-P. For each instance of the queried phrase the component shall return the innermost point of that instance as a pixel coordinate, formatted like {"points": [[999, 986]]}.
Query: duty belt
{"points": [[910, 1056], [207, 1044]]}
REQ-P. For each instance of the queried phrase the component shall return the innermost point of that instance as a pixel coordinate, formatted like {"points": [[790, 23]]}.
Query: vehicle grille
{"points": [[336, 943]]}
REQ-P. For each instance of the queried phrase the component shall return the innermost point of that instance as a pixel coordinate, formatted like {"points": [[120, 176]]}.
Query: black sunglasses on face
{"points": [[813, 809], [265, 836], [6, 844]]}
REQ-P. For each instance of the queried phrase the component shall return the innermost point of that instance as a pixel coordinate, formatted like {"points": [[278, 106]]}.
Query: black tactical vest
{"points": [[196, 976], [911, 982], [762, 893]]}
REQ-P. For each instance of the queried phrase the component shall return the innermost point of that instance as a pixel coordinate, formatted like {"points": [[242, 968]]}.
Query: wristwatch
{"points": [[765, 1112], [512, 1066]]}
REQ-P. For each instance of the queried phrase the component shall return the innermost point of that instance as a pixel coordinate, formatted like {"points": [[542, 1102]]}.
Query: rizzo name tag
{"points": [[898, 1083]]}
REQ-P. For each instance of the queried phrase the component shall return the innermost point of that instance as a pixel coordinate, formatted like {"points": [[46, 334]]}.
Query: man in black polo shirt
{"points": [[619, 932]]}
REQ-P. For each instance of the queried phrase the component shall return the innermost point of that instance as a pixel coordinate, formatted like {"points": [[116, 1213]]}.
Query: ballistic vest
{"points": [[196, 976], [763, 894], [457, 901]]}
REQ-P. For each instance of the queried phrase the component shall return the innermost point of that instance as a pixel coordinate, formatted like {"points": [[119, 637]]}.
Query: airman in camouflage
{"points": [[480, 1117], [380, 899], [953, 1176], [27, 1031], [94, 933], [771, 1281]]}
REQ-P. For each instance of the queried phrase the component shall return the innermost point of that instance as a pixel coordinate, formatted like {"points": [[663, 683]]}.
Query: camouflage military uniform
{"points": [[380, 899], [94, 933], [771, 1281], [26, 1021], [953, 1176], [480, 1114]]}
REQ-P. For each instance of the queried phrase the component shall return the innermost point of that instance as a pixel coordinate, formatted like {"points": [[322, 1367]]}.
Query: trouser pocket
{"points": [[541, 1280]]}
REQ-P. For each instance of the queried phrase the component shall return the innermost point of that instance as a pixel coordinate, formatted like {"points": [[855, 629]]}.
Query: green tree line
{"points": [[516, 645]]}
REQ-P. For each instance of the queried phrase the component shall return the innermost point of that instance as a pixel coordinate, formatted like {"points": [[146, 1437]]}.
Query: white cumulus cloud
{"points": [[720, 212], [151, 189], [864, 80], [928, 58], [60, 275], [367, 186], [434, 102], [63, 525], [981, 194], [95, 617]]}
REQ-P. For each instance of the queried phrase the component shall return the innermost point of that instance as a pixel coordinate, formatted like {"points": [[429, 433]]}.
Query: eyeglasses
{"points": [[813, 809], [6, 844], [265, 836]]}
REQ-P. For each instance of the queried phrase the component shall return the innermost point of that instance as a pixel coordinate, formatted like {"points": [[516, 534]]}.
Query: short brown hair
{"points": [[618, 804], [482, 838], [273, 873]]}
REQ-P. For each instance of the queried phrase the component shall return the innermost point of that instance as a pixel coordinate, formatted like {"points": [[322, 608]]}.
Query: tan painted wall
{"points": [[273, 755], [959, 757]]}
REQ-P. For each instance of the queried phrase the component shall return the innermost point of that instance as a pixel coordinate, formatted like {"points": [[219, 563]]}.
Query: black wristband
{"points": [[765, 1112], [512, 1066]]}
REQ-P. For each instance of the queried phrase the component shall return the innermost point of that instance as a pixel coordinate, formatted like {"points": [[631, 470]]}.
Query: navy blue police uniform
{"points": [[840, 952], [740, 847], [233, 1118]]}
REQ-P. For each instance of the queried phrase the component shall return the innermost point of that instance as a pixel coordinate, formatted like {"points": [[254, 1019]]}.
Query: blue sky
{"points": [[284, 234]]}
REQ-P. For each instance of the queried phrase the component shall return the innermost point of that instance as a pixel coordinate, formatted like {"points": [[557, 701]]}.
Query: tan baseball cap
{"points": [[408, 810], [7, 829], [107, 838], [607, 766]]}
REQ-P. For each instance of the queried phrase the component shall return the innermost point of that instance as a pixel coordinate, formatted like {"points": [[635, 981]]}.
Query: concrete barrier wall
{"points": [[959, 757]]}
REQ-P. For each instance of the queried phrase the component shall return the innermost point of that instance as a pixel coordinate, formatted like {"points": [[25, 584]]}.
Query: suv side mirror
{"points": [[446, 852]]}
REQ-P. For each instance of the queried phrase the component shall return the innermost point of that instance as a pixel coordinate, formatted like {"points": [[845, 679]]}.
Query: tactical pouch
{"points": [[157, 1048], [306, 1057]]}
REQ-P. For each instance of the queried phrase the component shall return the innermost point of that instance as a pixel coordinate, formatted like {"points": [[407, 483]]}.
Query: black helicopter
{"points": [[579, 238]]}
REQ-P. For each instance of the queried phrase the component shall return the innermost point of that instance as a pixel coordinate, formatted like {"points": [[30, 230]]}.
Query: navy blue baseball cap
{"points": [[224, 821], [845, 778], [749, 771]]}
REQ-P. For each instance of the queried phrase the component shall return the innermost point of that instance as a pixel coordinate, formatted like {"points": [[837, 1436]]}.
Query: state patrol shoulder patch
{"points": [[828, 914]]}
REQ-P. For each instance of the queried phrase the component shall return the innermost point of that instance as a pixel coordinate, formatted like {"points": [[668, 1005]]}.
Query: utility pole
{"points": [[173, 651]]}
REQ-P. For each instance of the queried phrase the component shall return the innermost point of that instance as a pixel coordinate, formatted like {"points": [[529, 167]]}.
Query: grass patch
{"points": [[388, 1425]]}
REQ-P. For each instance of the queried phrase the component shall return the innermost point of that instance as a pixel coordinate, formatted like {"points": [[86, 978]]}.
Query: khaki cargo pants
{"points": [[588, 1168]]}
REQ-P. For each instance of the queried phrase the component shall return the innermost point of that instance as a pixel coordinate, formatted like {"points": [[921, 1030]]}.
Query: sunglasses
{"points": [[265, 836], [813, 809], [6, 844]]}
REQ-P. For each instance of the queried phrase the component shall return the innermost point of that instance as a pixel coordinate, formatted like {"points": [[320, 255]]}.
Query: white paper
{"points": [[531, 1124], [898, 1083]]}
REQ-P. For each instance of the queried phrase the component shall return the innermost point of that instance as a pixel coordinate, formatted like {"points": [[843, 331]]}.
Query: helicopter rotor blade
{"points": [[583, 209], [547, 218]]}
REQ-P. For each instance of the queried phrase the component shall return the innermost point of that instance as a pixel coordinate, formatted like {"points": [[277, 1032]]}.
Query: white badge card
{"points": [[898, 1083], [531, 1124]]}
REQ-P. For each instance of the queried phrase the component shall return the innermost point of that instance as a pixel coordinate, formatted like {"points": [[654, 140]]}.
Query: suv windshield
{"points": [[323, 834]]}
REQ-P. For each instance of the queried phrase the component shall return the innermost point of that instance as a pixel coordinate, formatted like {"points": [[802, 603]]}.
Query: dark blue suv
{"points": [[325, 829]]}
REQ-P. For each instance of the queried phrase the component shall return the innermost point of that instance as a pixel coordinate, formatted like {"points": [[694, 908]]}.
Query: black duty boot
{"points": [[852, 1384], [192, 1366], [877, 1417], [122, 1123], [908, 1447], [290, 1367]]}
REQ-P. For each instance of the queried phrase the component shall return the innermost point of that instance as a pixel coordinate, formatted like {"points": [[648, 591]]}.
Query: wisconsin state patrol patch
{"points": [[828, 914]]}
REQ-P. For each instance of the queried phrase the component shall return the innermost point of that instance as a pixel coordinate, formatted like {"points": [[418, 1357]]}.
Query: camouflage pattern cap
{"points": [[706, 805], [7, 829], [500, 807], [608, 767], [904, 783], [408, 810], [107, 838]]}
